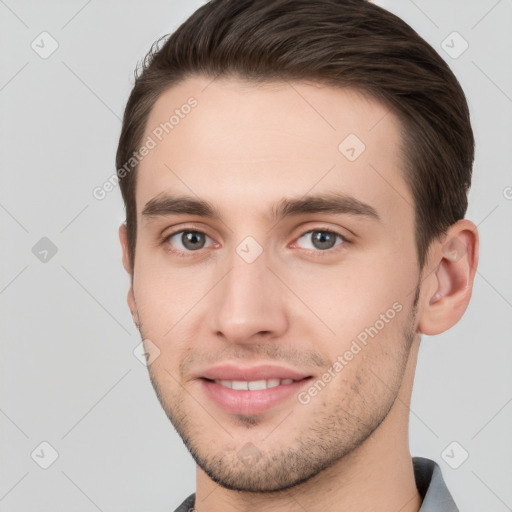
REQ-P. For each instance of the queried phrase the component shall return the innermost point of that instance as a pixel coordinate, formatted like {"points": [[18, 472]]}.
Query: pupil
{"points": [[192, 240], [323, 239]]}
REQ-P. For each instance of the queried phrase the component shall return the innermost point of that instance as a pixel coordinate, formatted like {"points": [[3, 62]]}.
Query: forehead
{"points": [[241, 144]]}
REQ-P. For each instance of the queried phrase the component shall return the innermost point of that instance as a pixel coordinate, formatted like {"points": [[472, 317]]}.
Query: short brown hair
{"points": [[342, 43]]}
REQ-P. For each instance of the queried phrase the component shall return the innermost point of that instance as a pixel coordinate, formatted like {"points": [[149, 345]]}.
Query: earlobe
{"points": [[449, 286]]}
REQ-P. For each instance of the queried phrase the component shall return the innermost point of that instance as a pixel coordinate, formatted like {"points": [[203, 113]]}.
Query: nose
{"points": [[249, 303]]}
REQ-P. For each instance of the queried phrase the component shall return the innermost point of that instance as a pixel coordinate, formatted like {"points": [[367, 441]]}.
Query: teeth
{"points": [[272, 383], [253, 385], [257, 384]]}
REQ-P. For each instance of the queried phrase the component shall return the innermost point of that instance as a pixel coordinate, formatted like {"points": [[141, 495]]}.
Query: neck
{"points": [[377, 476]]}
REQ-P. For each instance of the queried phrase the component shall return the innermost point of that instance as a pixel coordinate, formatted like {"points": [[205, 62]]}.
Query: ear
{"points": [[127, 264], [447, 288], [123, 238]]}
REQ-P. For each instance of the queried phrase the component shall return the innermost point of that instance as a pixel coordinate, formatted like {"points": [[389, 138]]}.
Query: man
{"points": [[295, 177]]}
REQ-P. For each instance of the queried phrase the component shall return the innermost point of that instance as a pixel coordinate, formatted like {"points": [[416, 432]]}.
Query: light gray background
{"points": [[68, 373]]}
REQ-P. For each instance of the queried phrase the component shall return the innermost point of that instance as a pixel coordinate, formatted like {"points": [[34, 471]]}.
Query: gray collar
{"points": [[431, 486]]}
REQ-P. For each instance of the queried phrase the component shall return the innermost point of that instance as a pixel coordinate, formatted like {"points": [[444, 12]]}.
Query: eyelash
{"points": [[313, 252]]}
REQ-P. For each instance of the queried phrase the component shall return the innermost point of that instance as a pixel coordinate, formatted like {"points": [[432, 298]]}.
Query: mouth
{"points": [[253, 396], [254, 385]]}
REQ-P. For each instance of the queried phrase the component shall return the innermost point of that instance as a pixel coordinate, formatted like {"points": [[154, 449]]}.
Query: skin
{"points": [[244, 148]]}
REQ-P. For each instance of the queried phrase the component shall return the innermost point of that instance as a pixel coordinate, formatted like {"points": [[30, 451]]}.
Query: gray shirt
{"points": [[429, 481]]}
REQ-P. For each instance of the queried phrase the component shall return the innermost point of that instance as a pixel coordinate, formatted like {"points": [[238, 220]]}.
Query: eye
{"points": [[187, 240], [320, 239]]}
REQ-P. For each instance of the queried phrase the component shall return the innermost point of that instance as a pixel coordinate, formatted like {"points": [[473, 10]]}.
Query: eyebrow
{"points": [[335, 203]]}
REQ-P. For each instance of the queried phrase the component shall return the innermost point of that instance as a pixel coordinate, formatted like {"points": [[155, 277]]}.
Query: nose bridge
{"points": [[247, 300]]}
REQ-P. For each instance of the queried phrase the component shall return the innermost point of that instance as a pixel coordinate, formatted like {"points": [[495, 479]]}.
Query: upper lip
{"points": [[250, 373]]}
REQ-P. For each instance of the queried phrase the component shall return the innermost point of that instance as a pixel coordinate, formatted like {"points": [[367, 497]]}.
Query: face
{"points": [[275, 274]]}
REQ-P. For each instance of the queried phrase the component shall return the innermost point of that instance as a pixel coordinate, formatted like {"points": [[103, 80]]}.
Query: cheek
{"points": [[167, 295], [354, 295], [348, 297]]}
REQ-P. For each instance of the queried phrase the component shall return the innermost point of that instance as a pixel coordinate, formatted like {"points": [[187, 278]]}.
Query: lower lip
{"points": [[250, 402]]}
